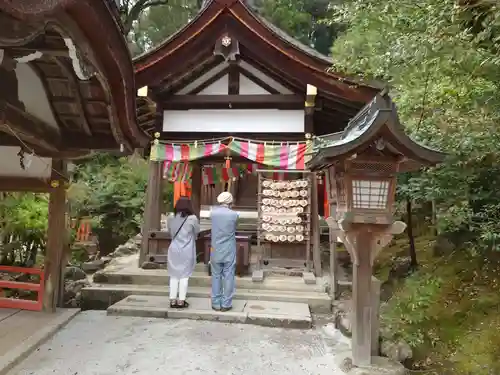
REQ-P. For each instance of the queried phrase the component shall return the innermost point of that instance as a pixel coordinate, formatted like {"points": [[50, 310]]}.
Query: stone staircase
{"points": [[279, 300]]}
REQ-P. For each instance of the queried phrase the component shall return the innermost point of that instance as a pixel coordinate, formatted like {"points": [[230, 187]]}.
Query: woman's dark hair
{"points": [[184, 207]]}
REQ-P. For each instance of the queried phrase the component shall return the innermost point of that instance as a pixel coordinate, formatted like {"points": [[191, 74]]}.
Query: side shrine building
{"points": [[234, 103], [64, 94]]}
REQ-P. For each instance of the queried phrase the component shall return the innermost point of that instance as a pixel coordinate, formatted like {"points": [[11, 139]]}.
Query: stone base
{"points": [[258, 276], [263, 313], [379, 366], [309, 278]]}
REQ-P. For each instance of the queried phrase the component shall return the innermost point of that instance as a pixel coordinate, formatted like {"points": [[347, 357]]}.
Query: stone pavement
{"points": [[264, 313], [21, 332], [96, 344]]}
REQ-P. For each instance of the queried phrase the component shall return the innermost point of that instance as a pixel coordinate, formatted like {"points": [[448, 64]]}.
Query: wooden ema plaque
{"points": [[284, 225]]}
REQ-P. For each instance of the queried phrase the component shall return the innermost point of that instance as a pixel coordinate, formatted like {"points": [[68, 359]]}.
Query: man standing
{"points": [[223, 252]]}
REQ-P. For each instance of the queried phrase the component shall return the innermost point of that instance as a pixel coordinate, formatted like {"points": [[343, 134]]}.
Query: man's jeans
{"points": [[223, 283]]}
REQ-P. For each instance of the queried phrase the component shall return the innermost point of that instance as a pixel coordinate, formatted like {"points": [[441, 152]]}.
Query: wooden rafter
{"points": [[177, 79], [28, 127], [257, 81], [209, 82], [294, 85], [77, 141], [78, 94], [37, 185], [290, 83], [233, 79]]}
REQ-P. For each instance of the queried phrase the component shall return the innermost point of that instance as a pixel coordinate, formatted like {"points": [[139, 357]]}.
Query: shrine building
{"points": [[230, 100]]}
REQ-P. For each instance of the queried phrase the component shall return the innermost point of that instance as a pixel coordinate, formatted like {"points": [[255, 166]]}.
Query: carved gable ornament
{"points": [[227, 47]]}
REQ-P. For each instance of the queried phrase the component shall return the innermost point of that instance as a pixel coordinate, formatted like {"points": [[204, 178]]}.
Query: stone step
{"points": [[263, 313], [202, 279], [100, 297]]}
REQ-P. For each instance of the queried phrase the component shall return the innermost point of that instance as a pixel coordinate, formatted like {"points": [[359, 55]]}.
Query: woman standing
{"points": [[184, 227]]}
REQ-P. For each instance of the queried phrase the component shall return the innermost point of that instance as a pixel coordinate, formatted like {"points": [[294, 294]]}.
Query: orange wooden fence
{"points": [[13, 303], [84, 230]]}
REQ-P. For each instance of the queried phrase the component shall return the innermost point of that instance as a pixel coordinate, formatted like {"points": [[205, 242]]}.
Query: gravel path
{"points": [[95, 344]]}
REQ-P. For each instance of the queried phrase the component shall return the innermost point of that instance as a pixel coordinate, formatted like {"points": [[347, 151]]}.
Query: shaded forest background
{"points": [[441, 60]]}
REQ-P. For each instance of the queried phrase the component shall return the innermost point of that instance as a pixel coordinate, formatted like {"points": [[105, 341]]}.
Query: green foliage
{"points": [[446, 85], [23, 227], [148, 26], [412, 309], [156, 24], [111, 190], [303, 20], [447, 311]]}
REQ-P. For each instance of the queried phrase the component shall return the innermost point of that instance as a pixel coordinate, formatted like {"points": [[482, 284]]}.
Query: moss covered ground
{"points": [[448, 310]]}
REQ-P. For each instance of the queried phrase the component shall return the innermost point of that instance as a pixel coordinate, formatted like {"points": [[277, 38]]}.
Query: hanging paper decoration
{"points": [[177, 172], [185, 152], [215, 174], [210, 176]]}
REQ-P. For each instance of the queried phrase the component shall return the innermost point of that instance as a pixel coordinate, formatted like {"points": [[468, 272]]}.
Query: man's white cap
{"points": [[225, 198]]}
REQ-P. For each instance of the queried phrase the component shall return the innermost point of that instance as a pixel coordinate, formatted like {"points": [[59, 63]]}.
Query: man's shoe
{"points": [[216, 308], [224, 309]]}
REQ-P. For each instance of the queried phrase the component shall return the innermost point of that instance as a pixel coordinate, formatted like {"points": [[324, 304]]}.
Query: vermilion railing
{"points": [[13, 303]]}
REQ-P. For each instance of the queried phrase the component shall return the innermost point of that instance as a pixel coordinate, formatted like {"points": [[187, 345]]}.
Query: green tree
{"points": [[149, 22], [111, 190], [156, 24], [23, 227], [446, 86], [304, 20]]}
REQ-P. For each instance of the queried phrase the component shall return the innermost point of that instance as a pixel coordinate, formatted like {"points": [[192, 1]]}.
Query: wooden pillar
{"points": [[315, 226], [196, 188], [152, 211], [361, 298], [56, 236], [375, 293]]}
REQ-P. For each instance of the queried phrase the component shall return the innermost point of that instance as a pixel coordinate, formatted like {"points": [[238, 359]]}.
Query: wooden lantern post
{"points": [[365, 190], [362, 164]]}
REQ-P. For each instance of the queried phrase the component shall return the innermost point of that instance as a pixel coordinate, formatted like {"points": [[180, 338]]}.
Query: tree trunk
{"points": [[434, 218], [411, 239]]}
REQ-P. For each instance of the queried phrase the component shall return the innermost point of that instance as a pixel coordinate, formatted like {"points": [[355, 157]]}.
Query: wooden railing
{"points": [[13, 303]]}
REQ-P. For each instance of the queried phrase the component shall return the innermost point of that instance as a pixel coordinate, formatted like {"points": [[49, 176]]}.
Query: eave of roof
{"points": [[99, 27], [311, 60], [378, 118]]}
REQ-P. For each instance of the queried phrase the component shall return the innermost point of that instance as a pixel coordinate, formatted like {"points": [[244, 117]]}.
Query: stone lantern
{"points": [[361, 165]]}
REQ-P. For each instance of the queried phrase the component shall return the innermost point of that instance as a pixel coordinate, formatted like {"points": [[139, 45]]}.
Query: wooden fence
{"points": [[14, 303]]}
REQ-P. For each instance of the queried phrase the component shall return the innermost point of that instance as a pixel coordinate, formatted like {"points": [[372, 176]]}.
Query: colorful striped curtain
{"points": [[185, 152], [281, 156]]}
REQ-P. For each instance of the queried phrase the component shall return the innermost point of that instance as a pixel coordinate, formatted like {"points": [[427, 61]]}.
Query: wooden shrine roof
{"points": [[376, 131], [77, 51], [189, 53]]}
